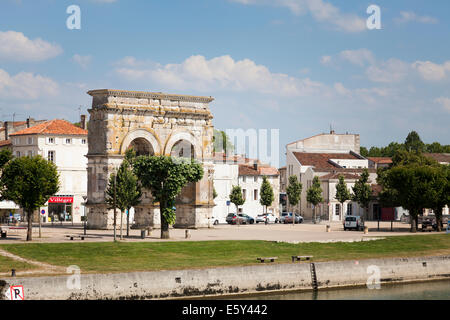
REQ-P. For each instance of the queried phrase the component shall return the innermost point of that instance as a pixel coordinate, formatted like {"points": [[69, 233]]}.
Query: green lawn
{"points": [[146, 256], [6, 264]]}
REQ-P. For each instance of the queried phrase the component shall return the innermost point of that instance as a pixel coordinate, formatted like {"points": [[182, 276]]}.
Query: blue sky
{"points": [[293, 65]]}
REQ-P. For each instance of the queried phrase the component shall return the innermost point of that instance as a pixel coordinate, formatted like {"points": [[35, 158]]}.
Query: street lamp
{"points": [[85, 217]]}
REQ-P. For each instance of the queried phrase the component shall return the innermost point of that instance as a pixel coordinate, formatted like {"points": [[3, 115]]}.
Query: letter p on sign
{"points": [[16, 293]]}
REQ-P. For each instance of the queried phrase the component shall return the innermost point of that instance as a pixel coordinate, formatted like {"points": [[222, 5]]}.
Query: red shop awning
{"points": [[60, 200]]}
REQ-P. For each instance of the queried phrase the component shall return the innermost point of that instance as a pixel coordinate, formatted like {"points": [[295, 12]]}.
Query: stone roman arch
{"points": [[153, 123]]}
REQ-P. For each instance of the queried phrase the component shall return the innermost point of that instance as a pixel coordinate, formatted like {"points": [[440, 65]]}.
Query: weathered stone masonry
{"points": [[153, 124]]}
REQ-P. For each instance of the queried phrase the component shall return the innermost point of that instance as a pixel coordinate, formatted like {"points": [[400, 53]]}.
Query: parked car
{"points": [[283, 216], [266, 216], [232, 218], [298, 218], [250, 220], [215, 221], [353, 222]]}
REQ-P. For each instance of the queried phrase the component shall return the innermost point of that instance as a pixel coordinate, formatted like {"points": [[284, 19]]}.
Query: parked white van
{"points": [[353, 222]]}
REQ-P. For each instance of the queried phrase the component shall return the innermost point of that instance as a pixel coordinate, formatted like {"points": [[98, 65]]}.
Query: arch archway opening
{"points": [[183, 149], [142, 147]]}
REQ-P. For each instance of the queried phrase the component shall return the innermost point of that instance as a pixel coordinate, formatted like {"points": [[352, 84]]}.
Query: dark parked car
{"points": [[232, 218], [250, 220]]}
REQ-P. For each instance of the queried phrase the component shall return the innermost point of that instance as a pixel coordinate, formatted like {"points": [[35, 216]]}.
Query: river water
{"points": [[432, 290]]}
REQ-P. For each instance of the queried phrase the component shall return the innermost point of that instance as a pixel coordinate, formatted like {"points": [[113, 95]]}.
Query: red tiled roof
{"points": [[320, 160], [335, 175], [439, 157], [249, 170], [56, 126], [5, 143], [381, 160]]}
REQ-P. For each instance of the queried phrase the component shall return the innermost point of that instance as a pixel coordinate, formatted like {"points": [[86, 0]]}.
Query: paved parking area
{"points": [[306, 232]]}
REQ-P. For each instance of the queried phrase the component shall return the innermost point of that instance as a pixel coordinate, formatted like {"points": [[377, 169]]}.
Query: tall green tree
{"points": [[237, 199], [29, 182], [342, 193], [439, 192], [165, 176], [266, 195], [414, 143], [314, 194], [362, 191], [413, 187], [127, 188], [294, 191]]}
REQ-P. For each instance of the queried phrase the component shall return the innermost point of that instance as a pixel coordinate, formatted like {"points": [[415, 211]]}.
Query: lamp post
{"points": [[115, 214], [85, 217]]}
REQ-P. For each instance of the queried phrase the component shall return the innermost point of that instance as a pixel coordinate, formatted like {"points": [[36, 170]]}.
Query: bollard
{"points": [[328, 228], [366, 230], [13, 272], [187, 234]]}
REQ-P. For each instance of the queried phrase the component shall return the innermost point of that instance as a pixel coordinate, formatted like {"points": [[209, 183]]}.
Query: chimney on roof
{"points": [[6, 130], [83, 121], [28, 122], [255, 165]]}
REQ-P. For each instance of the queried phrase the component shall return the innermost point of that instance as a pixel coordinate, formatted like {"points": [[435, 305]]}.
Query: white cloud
{"points": [[392, 70], [409, 16], [358, 57], [220, 73], [17, 47], [445, 102], [320, 10], [83, 61], [431, 71], [25, 85]]}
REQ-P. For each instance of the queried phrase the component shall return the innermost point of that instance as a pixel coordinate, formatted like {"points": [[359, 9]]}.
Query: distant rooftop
{"points": [[56, 126]]}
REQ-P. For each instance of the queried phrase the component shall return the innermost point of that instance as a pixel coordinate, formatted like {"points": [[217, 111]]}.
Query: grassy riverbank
{"points": [[6, 264], [149, 256]]}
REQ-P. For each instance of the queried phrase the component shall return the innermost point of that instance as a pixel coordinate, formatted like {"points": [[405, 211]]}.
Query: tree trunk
{"points": [[30, 226], [413, 222], [164, 224], [438, 214], [128, 222]]}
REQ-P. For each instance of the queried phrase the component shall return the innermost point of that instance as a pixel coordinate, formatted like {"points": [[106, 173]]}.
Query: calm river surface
{"points": [[432, 290]]}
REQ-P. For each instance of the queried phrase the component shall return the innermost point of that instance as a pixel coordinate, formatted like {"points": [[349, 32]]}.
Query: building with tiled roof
{"points": [[442, 158], [9, 127], [64, 144], [231, 170], [379, 162], [327, 156]]}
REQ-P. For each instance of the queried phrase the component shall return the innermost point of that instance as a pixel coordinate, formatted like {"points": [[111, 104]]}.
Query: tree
{"points": [[237, 198], [414, 143], [342, 193], [314, 195], [439, 192], [413, 187], [294, 191], [362, 191], [124, 190], [364, 152], [221, 142], [165, 176], [266, 196], [29, 182], [406, 158]]}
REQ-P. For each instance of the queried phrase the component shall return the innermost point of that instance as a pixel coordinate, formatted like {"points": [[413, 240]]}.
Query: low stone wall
{"points": [[229, 280]]}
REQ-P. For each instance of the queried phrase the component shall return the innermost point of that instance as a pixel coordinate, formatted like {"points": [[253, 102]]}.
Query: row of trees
{"points": [[362, 192], [412, 143], [31, 181]]}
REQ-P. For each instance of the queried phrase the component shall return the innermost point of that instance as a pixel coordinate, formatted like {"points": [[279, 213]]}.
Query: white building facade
{"points": [[66, 145]]}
